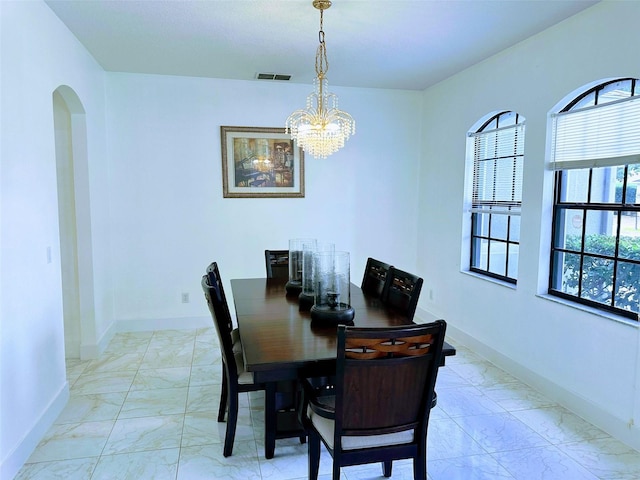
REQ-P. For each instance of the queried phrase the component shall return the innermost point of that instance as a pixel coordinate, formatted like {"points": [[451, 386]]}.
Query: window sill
{"points": [[591, 310], [502, 283]]}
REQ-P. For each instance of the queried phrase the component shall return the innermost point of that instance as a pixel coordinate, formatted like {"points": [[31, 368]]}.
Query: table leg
{"points": [[270, 419]]}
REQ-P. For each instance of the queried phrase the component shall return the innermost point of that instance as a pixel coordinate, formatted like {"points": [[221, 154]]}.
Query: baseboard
{"points": [[14, 461], [150, 324], [89, 351], [614, 426]]}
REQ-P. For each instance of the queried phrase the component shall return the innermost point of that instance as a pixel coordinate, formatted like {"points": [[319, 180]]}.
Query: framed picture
{"points": [[260, 162]]}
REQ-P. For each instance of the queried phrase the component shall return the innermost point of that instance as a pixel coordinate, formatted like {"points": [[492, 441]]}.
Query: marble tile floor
{"points": [[147, 408]]}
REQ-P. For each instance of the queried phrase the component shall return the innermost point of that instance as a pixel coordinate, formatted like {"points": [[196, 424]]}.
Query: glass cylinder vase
{"points": [[306, 299], [296, 248], [332, 289]]}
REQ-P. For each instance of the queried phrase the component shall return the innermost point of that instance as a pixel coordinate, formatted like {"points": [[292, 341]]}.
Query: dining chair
{"points": [[375, 275], [280, 397], [277, 263], [378, 408], [402, 291], [234, 377]]}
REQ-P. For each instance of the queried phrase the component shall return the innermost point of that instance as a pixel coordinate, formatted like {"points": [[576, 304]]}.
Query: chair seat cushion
{"points": [[244, 377], [325, 428], [236, 343]]}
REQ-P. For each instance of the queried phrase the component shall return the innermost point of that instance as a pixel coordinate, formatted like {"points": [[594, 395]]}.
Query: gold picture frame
{"points": [[260, 162]]}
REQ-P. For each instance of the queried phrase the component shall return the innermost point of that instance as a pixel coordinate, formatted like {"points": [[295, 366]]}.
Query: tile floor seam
{"points": [[120, 410]]}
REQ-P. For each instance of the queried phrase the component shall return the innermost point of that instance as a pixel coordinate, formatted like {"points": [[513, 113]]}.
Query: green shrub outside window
{"points": [[592, 274]]}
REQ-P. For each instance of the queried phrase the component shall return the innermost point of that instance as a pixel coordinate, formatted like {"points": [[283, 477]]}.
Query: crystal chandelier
{"points": [[321, 128]]}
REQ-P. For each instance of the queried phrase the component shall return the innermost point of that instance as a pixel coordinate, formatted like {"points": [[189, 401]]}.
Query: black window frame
{"points": [[560, 207], [477, 237]]}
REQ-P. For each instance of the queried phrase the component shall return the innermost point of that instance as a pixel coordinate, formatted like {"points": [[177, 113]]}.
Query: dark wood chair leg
{"points": [[336, 470], [420, 468], [270, 420], [232, 420], [386, 469], [314, 455], [223, 396]]}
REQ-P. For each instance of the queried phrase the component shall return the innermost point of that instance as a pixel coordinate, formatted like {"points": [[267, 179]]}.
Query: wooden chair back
{"points": [[277, 263], [402, 291], [375, 276], [217, 302], [385, 378]]}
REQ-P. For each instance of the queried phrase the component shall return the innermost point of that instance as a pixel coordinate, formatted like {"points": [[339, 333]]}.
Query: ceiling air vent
{"points": [[273, 76]]}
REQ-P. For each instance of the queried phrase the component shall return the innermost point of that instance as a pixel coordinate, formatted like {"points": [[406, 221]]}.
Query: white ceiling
{"points": [[370, 43]]}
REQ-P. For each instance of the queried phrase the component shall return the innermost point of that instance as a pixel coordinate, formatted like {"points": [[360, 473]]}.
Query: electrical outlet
{"points": [[431, 294], [185, 297]]}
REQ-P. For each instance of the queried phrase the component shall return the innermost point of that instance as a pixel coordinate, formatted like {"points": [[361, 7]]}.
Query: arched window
{"points": [[595, 245], [498, 156]]}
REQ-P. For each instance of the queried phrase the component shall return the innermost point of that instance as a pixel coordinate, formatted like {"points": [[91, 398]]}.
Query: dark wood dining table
{"points": [[280, 342]]}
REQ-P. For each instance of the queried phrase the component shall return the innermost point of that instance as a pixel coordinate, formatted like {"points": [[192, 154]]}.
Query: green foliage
{"points": [[633, 170], [597, 273], [632, 191]]}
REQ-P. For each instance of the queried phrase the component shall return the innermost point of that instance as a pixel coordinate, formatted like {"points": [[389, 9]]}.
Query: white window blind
{"points": [[497, 170], [599, 136]]}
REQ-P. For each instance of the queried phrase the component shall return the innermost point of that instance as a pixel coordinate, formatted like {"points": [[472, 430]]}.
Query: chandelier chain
{"points": [[322, 63]]}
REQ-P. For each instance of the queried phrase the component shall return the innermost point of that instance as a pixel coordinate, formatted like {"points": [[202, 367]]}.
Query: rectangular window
{"points": [[596, 240], [497, 197]]}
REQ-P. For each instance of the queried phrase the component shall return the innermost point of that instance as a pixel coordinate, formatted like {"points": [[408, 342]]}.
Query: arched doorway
{"points": [[74, 222]]}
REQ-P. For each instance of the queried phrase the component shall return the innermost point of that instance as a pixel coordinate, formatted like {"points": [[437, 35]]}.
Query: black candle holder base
{"points": [[342, 314], [293, 287], [306, 301]]}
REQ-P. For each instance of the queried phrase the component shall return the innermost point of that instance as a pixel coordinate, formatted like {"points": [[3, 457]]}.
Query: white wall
{"points": [[38, 55], [586, 361], [158, 216], [170, 220]]}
